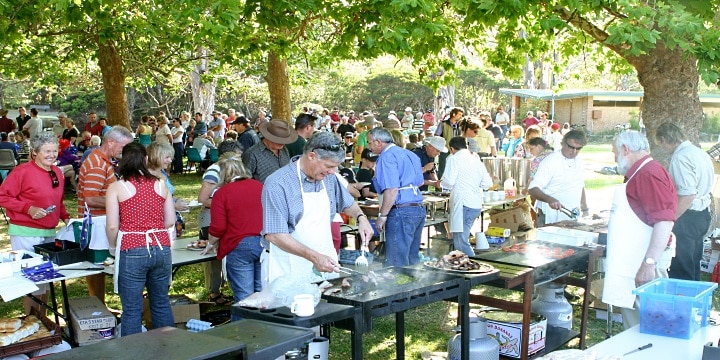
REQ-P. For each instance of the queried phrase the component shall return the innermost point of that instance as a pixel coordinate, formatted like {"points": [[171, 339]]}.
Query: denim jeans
{"points": [[243, 269], [403, 231], [461, 241], [139, 269]]}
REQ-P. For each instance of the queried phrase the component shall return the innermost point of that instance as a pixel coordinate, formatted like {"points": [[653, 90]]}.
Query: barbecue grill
{"points": [[419, 287], [546, 268]]}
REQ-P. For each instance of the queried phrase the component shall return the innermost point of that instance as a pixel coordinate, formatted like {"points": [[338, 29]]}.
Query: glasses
{"points": [[54, 178], [574, 148]]}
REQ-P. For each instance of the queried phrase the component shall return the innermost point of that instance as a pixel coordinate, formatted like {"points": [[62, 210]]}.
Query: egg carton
{"points": [[195, 325]]}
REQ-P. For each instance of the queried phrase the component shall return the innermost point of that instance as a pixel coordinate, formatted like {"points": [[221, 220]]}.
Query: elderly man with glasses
{"points": [[299, 201], [559, 181]]}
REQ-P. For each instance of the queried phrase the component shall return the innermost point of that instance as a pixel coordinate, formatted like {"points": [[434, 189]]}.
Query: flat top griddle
{"points": [[532, 258]]}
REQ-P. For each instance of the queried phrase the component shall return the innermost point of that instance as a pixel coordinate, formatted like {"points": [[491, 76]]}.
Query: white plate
{"points": [[194, 248], [194, 203]]}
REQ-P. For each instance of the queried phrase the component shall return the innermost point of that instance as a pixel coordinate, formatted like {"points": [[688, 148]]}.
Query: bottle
{"points": [[552, 304]]}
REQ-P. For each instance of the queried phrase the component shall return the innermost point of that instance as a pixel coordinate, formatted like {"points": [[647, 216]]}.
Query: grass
{"points": [[427, 328]]}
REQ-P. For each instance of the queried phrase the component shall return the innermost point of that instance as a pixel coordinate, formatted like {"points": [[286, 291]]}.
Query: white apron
{"points": [[313, 230], [456, 219], [118, 245], [628, 241]]}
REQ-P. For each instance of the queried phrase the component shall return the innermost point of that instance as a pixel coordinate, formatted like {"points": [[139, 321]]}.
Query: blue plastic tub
{"points": [[674, 308]]}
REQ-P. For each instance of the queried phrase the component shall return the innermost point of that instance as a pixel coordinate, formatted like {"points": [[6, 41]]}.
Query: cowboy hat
{"points": [[278, 131]]}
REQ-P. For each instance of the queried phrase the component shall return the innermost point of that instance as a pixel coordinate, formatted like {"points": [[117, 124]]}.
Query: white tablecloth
{"points": [[98, 239]]}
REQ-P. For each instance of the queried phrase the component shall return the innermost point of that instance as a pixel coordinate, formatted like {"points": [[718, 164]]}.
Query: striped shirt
{"points": [[96, 175]]}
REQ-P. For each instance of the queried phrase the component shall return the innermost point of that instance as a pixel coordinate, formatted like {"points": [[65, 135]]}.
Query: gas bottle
{"points": [[510, 188], [482, 347], [552, 304]]}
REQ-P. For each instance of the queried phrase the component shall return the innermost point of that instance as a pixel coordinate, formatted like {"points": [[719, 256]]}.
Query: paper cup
{"points": [[481, 242]]}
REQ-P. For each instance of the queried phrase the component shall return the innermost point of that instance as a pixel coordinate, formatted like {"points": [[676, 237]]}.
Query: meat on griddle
{"points": [[550, 252]]}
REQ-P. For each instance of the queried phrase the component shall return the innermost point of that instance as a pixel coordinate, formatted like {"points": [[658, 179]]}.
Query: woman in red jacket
{"points": [[32, 194], [236, 222]]}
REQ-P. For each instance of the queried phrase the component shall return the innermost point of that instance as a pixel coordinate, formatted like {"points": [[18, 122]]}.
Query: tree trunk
{"points": [[279, 87], [111, 67], [670, 81], [203, 94]]}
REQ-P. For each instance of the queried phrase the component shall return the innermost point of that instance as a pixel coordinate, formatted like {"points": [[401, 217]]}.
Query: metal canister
{"points": [[295, 355]]}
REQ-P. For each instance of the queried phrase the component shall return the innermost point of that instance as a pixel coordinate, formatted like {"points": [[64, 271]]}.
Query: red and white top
{"points": [[142, 217]]}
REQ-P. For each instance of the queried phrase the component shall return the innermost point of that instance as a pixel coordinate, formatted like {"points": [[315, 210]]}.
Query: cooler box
{"points": [[674, 308]]}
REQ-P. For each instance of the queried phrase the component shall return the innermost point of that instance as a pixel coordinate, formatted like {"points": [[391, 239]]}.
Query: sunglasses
{"points": [[335, 147], [54, 178], [574, 148]]}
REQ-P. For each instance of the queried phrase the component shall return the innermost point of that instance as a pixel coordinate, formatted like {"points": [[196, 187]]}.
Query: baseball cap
{"points": [[438, 143], [368, 154], [348, 134]]}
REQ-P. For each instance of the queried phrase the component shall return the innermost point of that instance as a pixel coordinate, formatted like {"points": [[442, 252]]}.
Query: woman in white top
{"points": [[163, 134]]}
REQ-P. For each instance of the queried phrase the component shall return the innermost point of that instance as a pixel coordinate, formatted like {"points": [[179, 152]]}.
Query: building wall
{"points": [[574, 111]]}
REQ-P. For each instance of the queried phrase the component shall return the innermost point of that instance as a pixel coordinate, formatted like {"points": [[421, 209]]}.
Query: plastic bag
{"points": [[281, 292]]}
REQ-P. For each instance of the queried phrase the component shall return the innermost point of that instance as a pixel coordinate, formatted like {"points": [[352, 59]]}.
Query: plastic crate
{"points": [[674, 308]]}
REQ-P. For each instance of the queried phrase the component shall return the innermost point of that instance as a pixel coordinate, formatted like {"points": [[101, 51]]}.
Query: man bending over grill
{"points": [[299, 202], [398, 175]]}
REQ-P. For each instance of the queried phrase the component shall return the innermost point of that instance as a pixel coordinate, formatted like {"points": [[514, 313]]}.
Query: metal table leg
{"points": [[400, 334]]}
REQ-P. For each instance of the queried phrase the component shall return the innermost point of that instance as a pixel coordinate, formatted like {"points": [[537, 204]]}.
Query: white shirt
{"points": [[34, 126], [466, 175], [174, 132], [219, 134], [561, 178]]}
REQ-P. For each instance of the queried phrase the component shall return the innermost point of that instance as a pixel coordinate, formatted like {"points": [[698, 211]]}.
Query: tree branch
{"points": [[590, 29]]}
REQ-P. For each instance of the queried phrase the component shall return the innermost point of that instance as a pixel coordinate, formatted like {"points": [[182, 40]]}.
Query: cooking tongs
{"points": [[572, 214]]}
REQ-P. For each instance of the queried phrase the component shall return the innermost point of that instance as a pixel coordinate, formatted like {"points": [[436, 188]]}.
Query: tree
{"points": [[139, 40], [670, 44]]}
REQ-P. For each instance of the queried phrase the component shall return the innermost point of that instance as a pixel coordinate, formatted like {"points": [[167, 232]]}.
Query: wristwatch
{"points": [[357, 218], [650, 261]]}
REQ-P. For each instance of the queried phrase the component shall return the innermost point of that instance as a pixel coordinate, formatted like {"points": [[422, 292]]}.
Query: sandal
{"points": [[219, 299]]}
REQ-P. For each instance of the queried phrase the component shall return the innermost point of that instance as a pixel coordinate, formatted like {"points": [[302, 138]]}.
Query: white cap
{"points": [[408, 109], [438, 143]]}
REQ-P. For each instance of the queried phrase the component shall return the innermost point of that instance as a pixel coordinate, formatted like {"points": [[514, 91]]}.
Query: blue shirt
{"points": [[399, 168], [282, 199]]}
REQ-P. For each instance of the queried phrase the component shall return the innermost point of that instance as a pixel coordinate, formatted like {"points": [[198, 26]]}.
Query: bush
{"points": [[711, 124]]}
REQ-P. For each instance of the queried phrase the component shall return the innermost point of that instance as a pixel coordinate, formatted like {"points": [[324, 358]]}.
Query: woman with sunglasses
{"points": [[32, 194]]}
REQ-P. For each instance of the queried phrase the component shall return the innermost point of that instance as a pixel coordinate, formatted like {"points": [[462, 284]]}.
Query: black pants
{"points": [[689, 230]]}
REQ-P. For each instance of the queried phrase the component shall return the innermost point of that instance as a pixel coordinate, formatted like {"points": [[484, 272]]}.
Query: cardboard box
{"points": [[513, 219], [62, 252], [506, 328], [13, 261], [88, 316], [183, 309]]}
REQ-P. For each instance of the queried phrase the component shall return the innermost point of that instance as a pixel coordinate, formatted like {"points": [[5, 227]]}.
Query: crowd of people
{"points": [[293, 180]]}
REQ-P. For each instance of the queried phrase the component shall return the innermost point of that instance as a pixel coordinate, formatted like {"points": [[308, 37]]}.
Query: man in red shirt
{"points": [[7, 125], [639, 245], [93, 125], [529, 120]]}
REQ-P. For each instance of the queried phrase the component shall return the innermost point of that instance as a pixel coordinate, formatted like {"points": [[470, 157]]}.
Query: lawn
{"points": [[428, 328]]}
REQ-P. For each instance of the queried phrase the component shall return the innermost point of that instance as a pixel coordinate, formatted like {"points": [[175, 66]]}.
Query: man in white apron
{"points": [[466, 177], [692, 172], [559, 181], [639, 247], [299, 202]]}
